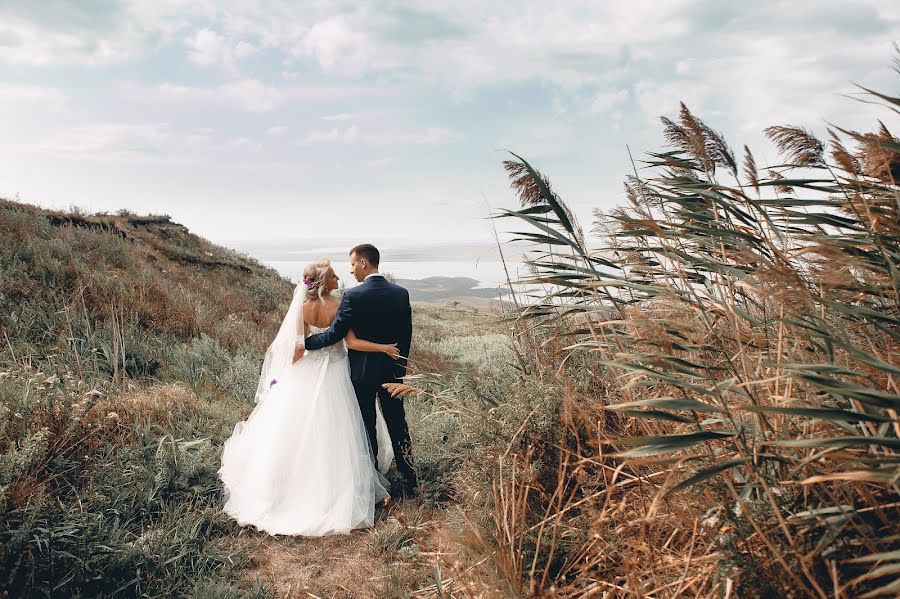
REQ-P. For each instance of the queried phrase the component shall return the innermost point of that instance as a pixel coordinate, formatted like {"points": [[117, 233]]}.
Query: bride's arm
{"points": [[357, 344], [299, 348]]}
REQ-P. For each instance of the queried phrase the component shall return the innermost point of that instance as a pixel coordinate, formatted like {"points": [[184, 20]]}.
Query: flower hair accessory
{"points": [[307, 281]]}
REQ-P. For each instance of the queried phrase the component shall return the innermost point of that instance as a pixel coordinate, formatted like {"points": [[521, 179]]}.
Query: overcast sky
{"points": [[254, 120]]}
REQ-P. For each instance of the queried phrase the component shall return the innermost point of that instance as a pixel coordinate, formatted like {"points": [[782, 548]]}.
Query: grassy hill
{"points": [[129, 347], [167, 281]]}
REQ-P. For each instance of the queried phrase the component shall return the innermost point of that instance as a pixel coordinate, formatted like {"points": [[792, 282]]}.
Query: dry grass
{"points": [[366, 564]]}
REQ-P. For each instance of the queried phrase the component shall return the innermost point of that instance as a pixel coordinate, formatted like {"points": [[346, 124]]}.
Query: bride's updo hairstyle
{"points": [[314, 278]]}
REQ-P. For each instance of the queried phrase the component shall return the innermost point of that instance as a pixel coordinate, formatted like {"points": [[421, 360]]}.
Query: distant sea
{"points": [[489, 274]]}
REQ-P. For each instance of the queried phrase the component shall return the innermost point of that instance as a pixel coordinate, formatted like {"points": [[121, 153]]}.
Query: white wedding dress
{"points": [[301, 463]]}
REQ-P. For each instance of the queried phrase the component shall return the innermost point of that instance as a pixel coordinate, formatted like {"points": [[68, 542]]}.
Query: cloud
{"points": [[24, 43], [446, 84], [543, 139], [743, 92], [343, 116], [109, 140], [353, 134], [29, 94], [139, 142], [96, 34], [328, 136], [461, 46], [380, 162], [606, 101], [242, 144], [243, 49], [337, 47], [252, 94], [207, 47], [431, 135], [249, 94]]}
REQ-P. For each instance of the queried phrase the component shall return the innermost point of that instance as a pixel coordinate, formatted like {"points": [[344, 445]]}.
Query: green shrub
{"points": [[109, 504], [204, 363]]}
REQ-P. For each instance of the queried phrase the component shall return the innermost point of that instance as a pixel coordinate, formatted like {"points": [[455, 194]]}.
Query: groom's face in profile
{"points": [[358, 267]]}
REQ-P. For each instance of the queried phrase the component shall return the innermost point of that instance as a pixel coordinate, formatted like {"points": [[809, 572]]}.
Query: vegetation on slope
{"points": [[129, 349]]}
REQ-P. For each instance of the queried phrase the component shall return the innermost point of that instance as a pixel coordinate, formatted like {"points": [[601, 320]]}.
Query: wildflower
{"points": [[712, 518], [711, 521]]}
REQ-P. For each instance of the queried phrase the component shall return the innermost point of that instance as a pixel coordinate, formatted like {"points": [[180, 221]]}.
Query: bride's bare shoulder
{"points": [[330, 308], [317, 311], [311, 311]]}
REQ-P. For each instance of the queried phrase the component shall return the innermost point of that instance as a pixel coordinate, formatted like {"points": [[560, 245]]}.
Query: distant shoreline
{"points": [[436, 289]]}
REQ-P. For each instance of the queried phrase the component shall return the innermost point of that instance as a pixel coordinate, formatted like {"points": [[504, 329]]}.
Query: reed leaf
{"points": [[707, 473]]}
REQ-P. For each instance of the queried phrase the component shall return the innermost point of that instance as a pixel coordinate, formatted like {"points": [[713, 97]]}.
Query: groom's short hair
{"points": [[369, 252]]}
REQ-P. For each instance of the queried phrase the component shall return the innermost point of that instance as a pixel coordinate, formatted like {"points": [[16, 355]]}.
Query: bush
{"points": [[110, 497], [204, 364], [485, 352]]}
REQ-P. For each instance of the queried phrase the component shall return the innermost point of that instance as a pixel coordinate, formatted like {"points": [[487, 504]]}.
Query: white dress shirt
{"points": [[374, 274]]}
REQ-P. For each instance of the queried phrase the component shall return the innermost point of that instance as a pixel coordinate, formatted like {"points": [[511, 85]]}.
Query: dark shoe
{"points": [[409, 491]]}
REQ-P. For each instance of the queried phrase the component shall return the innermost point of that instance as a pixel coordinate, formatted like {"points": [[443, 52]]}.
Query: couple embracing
{"points": [[310, 458]]}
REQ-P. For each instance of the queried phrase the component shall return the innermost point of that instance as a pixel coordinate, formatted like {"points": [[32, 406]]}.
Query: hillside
{"points": [[166, 280]]}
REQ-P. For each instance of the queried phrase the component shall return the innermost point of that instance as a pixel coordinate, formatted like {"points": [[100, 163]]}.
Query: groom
{"points": [[376, 311]]}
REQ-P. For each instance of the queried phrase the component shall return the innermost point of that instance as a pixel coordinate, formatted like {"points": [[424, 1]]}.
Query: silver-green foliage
{"points": [[204, 361]]}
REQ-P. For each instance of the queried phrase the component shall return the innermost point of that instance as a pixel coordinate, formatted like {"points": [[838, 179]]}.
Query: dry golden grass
{"points": [[400, 389]]}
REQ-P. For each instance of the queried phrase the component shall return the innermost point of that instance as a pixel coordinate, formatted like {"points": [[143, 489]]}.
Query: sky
{"points": [[388, 121]]}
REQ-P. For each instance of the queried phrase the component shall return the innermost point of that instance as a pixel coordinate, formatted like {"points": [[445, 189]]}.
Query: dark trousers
{"points": [[395, 418]]}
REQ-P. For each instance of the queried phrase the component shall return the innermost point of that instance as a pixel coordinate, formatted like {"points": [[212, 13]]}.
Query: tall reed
{"points": [[731, 349]]}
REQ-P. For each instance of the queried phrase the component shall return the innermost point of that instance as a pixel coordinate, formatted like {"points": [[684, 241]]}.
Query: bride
{"points": [[301, 464]]}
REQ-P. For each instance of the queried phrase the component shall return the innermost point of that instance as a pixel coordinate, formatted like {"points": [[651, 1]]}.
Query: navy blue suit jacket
{"points": [[377, 311]]}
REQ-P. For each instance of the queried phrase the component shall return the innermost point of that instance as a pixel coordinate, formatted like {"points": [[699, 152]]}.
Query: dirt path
{"points": [[396, 558], [400, 555]]}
